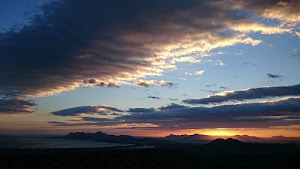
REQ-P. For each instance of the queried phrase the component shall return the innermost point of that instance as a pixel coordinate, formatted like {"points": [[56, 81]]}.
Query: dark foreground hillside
{"points": [[95, 159], [219, 154], [238, 155]]}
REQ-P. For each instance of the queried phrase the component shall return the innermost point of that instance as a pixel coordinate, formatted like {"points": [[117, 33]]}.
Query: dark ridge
{"points": [[103, 137], [200, 138], [229, 141]]}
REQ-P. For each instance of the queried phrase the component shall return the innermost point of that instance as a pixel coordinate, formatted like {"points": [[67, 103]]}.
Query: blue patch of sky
{"points": [[16, 13]]}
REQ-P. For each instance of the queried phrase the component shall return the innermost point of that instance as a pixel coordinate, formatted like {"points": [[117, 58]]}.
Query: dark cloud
{"points": [[83, 110], [223, 87], [273, 76], [88, 121], [11, 103], [95, 119], [102, 84], [16, 106], [58, 123], [172, 99], [253, 93], [77, 42], [153, 97], [171, 106], [94, 82], [90, 81], [169, 84], [108, 43], [140, 110], [115, 114], [211, 91], [240, 115]]}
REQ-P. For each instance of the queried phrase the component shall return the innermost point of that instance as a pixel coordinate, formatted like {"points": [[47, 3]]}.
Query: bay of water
{"points": [[44, 142]]}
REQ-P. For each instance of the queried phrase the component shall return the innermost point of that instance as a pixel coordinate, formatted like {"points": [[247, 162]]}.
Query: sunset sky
{"points": [[150, 68]]}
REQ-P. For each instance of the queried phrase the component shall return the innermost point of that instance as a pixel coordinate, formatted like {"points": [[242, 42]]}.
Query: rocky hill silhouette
{"points": [[229, 141], [103, 137]]}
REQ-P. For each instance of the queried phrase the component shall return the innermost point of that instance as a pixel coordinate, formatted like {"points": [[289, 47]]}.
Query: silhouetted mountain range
{"points": [[195, 138], [102, 137], [199, 138], [99, 136]]}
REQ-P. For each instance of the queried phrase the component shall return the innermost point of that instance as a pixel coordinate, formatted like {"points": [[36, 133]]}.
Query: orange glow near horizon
{"points": [[219, 133], [226, 132]]}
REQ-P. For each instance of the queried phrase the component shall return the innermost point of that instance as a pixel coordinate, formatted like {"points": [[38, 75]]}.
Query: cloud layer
{"points": [[273, 76], [145, 83], [253, 115], [253, 93], [16, 106], [110, 43]]}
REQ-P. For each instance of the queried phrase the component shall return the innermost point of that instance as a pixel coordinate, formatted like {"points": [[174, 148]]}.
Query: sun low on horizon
{"points": [[150, 68]]}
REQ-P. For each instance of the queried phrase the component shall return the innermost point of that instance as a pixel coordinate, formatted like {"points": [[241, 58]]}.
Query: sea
{"points": [[48, 142]]}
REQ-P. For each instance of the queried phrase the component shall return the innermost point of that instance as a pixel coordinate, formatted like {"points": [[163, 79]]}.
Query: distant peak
{"points": [[230, 141], [278, 136], [99, 132]]}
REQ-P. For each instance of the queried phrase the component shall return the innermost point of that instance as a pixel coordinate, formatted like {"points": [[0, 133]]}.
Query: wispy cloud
{"points": [[273, 76], [147, 83], [200, 72], [153, 97], [295, 52], [219, 62], [298, 34], [187, 73]]}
